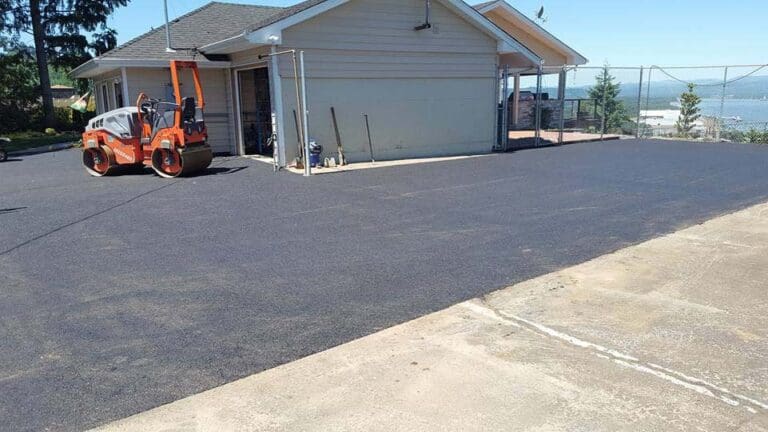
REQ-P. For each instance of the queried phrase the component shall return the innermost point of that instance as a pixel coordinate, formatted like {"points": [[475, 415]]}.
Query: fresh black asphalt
{"points": [[124, 293]]}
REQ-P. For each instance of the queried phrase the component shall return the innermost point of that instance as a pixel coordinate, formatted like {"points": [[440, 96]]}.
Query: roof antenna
{"points": [[168, 48], [426, 24]]}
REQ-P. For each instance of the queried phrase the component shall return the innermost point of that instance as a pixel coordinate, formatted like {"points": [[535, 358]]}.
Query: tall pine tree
{"points": [[606, 93], [57, 28], [689, 112]]}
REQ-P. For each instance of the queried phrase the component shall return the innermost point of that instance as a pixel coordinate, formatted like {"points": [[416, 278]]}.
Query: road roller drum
{"points": [[182, 162]]}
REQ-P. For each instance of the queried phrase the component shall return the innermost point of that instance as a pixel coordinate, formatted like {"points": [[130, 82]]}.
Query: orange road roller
{"points": [[171, 137]]}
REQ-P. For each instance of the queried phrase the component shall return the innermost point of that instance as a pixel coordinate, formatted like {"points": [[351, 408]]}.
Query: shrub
{"points": [[50, 131], [63, 118], [80, 120], [756, 136]]}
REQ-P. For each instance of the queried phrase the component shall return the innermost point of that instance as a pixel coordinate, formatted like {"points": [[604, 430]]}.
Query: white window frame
{"points": [[105, 97]]}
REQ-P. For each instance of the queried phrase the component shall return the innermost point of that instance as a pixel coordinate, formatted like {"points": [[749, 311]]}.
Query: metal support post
{"points": [[505, 109], [305, 115], [648, 96], [639, 102], [605, 95], [719, 122], [561, 95], [537, 122]]}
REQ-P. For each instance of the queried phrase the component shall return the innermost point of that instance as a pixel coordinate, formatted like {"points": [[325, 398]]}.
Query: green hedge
{"points": [[27, 140]]}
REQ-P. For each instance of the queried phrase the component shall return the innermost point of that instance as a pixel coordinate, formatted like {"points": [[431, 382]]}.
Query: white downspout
{"points": [[126, 95], [304, 114], [277, 89]]}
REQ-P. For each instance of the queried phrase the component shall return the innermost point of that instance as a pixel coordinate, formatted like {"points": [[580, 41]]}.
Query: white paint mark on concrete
{"points": [[488, 313], [697, 388], [568, 338], [698, 385], [762, 405]]}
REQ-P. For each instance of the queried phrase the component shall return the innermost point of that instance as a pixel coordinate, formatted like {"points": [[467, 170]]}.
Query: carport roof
{"points": [[530, 27]]}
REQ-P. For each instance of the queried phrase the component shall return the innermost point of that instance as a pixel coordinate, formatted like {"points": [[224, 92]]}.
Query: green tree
{"points": [[689, 112], [57, 28], [606, 93], [19, 89]]}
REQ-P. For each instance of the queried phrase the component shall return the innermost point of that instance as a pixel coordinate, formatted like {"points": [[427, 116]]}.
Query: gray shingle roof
{"points": [[285, 13], [211, 23]]}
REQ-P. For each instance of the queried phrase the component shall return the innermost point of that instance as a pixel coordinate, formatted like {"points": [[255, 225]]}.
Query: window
{"points": [[105, 98], [118, 94]]}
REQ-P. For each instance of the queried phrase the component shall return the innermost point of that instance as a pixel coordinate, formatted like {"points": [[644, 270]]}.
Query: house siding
{"points": [[249, 57], [427, 93]]}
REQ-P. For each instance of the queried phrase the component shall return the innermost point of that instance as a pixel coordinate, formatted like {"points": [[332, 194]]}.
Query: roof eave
{"points": [[98, 66], [573, 56], [506, 43], [84, 69]]}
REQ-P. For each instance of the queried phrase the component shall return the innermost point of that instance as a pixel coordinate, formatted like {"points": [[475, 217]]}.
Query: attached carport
{"points": [[556, 58]]}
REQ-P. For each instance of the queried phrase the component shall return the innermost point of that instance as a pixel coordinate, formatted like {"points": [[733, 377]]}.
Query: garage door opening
{"points": [[255, 112]]}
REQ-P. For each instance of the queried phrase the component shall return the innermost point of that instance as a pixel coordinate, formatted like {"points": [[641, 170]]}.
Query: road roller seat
{"points": [[188, 110]]}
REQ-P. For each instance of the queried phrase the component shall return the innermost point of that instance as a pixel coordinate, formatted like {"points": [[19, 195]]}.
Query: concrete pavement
{"points": [[666, 335]]}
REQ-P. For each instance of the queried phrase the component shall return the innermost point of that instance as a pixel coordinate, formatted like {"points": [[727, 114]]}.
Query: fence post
{"points": [[561, 94], [505, 109], [537, 125], [718, 123], [639, 102], [648, 98], [602, 117]]}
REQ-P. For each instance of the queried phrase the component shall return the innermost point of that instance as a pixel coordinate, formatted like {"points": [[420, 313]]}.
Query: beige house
{"points": [[425, 72]]}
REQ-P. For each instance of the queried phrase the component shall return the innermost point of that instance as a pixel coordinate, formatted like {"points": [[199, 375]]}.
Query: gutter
{"points": [[76, 72], [224, 46], [110, 64]]}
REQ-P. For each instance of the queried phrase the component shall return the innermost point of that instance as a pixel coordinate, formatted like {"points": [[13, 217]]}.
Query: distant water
{"points": [[750, 110]]}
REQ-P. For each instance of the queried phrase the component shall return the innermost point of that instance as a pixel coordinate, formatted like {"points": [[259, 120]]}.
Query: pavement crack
{"points": [[672, 376]]}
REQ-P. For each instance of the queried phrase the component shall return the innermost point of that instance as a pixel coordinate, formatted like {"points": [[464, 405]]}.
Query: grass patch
{"points": [[28, 140]]}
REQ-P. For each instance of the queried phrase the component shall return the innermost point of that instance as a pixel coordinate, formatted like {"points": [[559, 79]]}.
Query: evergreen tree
{"points": [[689, 112], [57, 28], [606, 93]]}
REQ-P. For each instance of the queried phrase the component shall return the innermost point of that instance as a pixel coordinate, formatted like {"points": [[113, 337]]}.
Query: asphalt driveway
{"points": [[121, 294]]}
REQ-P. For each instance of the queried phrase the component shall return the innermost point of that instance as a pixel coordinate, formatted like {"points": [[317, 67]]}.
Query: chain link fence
{"points": [[546, 106]]}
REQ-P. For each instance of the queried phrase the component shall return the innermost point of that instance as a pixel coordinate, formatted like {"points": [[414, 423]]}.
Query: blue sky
{"points": [[619, 32]]}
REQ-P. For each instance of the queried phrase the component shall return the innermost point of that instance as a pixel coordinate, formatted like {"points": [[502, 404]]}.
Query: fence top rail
{"points": [[574, 67]]}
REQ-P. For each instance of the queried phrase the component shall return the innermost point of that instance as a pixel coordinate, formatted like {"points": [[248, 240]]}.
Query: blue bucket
{"points": [[314, 159]]}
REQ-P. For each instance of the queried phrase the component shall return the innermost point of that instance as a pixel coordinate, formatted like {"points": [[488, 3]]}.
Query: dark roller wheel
{"points": [[98, 161], [170, 163], [167, 162]]}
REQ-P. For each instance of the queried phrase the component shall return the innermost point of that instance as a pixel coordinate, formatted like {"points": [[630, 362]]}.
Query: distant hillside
{"points": [[755, 87]]}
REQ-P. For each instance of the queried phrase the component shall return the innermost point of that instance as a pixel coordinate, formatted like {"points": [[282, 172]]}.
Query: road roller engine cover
{"points": [[170, 137]]}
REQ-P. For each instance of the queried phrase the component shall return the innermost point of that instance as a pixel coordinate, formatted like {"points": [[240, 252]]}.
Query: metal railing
{"points": [[570, 104]]}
